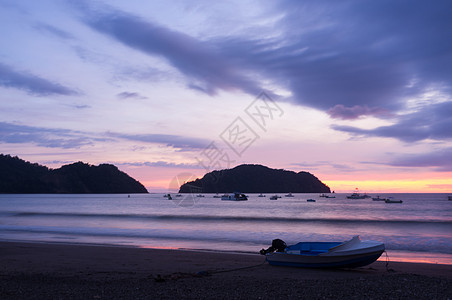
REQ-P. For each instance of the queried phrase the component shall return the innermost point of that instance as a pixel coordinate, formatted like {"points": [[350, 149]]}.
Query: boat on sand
{"points": [[349, 254]]}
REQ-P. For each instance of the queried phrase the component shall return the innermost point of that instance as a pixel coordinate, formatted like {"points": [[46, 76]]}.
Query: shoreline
{"points": [[45, 270], [394, 256]]}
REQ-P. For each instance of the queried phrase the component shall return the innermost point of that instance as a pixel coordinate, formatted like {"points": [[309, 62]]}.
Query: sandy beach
{"points": [[65, 271]]}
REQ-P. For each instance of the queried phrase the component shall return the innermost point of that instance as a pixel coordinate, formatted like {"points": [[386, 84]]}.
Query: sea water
{"points": [[417, 230]]}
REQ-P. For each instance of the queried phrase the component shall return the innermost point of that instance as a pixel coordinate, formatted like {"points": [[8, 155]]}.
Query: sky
{"points": [[357, 93]]}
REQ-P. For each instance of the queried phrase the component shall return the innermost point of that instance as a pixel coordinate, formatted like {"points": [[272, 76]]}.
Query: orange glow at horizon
{"points": [[392, 186]]}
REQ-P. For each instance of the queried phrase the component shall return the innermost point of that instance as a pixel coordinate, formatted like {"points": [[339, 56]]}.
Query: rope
{"points": [[236, 269], [179, 275], [387, 263]]}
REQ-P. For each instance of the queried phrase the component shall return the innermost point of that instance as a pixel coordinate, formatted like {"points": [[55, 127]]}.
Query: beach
{"points": [[75, 271]]}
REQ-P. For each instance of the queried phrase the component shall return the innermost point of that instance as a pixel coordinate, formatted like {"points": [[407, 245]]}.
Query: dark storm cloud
{"points": [[430, 122], [175, 141], [30, 83]]}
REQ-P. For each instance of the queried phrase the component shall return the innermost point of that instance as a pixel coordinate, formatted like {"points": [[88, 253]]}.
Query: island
{"points": [[21, 177], [250, 178]]}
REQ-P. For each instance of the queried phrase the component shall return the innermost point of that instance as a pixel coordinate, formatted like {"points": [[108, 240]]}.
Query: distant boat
{"points": [[200, 196], [217, 196], [390, 200], [326, 196], [378, 198], [310, 200], [350, 254], [449, 198], [178, 195], [274, 197], [357, 195], [323, 195], [234, 197], [261, 195], [168, 196], [289, 195]]}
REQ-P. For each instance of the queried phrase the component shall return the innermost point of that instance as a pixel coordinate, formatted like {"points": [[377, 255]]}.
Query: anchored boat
{"points": [[350, 254], [234, 197]]}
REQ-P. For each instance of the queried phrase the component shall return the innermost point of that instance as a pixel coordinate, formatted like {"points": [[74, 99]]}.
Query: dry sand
{"points": [[62, 271]]}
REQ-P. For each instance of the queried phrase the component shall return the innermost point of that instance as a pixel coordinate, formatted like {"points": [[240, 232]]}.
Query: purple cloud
{"points": [[351, 59], [161, 164], [198, 60], [175, 141], [441, 160], [54, 31], [433, 121], [45, 137], [339, 111], [130, 95], [31, 84]]}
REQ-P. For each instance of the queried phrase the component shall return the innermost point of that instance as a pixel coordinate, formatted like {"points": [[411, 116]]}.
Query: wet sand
{"points": [[65, 271]]}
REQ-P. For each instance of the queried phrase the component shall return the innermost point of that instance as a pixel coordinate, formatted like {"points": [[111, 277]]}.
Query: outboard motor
{"points": [[277, 245]]}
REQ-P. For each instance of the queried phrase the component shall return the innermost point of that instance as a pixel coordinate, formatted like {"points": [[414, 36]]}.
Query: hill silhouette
{"points": [[19, 176], [256, 179]]}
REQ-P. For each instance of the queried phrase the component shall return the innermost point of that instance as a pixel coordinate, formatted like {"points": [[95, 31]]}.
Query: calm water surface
{"points": [[418, 230]]}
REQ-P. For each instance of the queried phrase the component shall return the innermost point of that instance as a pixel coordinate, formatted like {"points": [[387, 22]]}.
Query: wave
{"points": [[248, 219]]}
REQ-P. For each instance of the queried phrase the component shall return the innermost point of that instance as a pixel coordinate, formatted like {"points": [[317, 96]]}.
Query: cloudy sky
{"points": [[356, 92]]}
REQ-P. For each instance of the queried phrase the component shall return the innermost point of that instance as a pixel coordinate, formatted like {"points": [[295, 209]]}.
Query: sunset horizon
{"points": [[358, 95]]}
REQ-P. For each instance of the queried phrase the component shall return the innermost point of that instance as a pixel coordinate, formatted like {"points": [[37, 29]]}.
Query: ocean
{"points": [[417, 230]]}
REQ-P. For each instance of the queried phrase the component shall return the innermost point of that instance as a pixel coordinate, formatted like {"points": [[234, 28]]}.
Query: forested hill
{"points": [[256, 179], [21, 177]]}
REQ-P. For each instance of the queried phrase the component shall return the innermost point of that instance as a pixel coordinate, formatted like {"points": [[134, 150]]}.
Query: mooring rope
{"points": [[179, 275], [387, 263]]}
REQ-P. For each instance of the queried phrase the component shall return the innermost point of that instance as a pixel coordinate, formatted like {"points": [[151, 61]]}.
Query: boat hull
{"points": [[349, 254], [308, 261]]}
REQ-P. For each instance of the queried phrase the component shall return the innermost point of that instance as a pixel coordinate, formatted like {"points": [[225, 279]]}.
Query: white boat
{"points": [[357, 195], [234, 197], [289, 195], [350, 254]]}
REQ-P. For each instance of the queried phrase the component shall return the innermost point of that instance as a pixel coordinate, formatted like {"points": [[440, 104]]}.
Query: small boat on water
{"points": [[357, 195], [217, 196], [310, 200], [261, 195], [234, 197], [274, 197], [200, 196], [350, 254], [289, 195], [449, 198], [378, 198], [391, 200]]}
